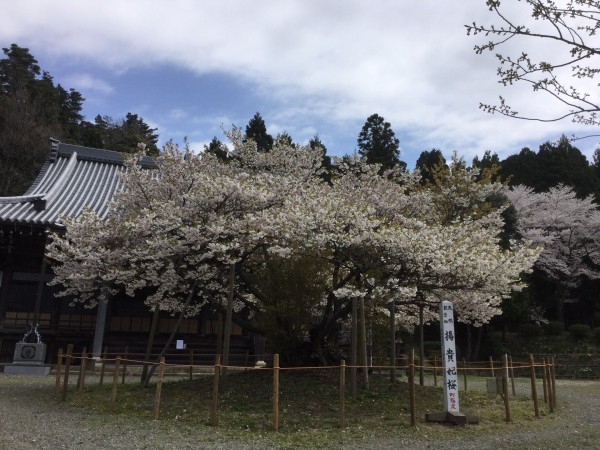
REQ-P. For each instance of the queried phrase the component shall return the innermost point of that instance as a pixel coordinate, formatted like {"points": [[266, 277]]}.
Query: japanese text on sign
{"points": [[449, 357]]}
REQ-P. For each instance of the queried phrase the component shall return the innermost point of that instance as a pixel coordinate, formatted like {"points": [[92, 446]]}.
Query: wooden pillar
{"points": [[6, 279], [100, 328], [39, 293]]}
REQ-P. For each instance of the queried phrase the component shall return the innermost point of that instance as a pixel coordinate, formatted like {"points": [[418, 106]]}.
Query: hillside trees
{"points": [[32, 109], [554, 163], [124, 135], [270, 214]]}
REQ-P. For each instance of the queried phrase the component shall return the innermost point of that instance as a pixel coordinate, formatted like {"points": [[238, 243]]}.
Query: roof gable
{"points": [[72, 179]]}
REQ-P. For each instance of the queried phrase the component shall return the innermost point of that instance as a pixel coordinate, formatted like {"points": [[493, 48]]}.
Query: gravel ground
{"points": [[31, 419]]}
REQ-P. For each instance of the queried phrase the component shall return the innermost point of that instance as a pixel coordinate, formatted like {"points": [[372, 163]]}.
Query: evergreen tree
{"points": [[427, 161], [377, 143], [326, 164], [217, 148], [284, 138], [125, 135], [487, 161], [256, 131]]}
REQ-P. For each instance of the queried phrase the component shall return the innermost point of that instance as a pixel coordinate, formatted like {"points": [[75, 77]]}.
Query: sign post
{"points": [[451, 404], [451, 411]]}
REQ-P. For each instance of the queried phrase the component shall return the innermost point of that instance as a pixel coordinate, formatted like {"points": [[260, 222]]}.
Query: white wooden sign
{"points": [[449, 357]]}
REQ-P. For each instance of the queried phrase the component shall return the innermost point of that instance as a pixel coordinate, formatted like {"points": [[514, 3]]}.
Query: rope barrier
{"points": [[482, 367]]}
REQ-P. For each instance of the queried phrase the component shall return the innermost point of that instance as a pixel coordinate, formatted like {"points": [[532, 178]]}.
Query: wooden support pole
{"points": [[549, 384], [67, 370], [492, 366], [82, 377], [553, 382], [228, 323], [534, 396], [58, 373], [276, 392], [421, 347], [161, 374], [362, 339], [392, 342], [214, 418], [103, 367], [505, 387], [125, 358], [545, 380], [435, 369], [512, 375], [354, 348], [342, 393], [113, 396], [465, 372], [411, 388], [80, 366]]}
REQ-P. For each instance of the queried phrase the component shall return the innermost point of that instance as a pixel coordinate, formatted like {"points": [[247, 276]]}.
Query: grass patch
{"points": [[309, 407]]}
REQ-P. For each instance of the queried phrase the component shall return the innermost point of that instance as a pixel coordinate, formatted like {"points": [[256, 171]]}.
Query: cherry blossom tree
{"points": [[176, 232], [568, 229]]}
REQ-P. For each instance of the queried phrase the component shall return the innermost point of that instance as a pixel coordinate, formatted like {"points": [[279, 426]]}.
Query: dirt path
{"points": [[31, 419]]}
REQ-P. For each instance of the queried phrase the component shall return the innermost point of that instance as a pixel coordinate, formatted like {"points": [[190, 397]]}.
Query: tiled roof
{"points": [[73, 178]]}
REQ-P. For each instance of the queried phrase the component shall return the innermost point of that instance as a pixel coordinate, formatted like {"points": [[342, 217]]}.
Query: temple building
{"points": [[73, 179]]}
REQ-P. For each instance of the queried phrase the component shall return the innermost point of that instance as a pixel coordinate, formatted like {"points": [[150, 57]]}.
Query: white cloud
{"points": [[317, 63], [86, 82]]}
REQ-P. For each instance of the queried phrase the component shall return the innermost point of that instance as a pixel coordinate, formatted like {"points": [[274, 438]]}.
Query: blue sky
{"points": [[308, 66]]}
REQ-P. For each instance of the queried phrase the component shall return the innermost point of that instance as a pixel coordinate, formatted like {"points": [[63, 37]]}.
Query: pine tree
{"points": [[377, 143], [256, 131]]}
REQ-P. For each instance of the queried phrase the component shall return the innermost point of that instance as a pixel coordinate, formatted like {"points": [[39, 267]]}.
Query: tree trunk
{"points": [[172, 336], [227, 338], [150, 342], [363, 343], [478, 343], [468, 353]]}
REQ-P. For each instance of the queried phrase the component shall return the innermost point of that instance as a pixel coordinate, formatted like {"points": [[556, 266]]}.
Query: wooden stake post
{"points": [[67, 370], [276, 392], [161, 374], [505, 376], [113, 396], [411, 387], [58, 370], [342, 393], [534, 396], [214, 418]]}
